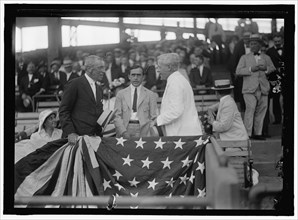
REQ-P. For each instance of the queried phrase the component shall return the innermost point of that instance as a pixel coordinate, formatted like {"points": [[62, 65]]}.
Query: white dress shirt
{"points": [[92, 84]]}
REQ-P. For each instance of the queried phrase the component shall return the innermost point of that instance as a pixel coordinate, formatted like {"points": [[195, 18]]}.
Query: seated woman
{"points": [[228, 123], [47, 131]]}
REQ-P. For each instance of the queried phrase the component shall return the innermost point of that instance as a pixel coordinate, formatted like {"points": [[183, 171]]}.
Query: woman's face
{"points": [[50, 122]]}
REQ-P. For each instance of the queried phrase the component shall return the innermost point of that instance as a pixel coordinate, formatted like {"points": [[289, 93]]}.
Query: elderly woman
{"points": [[46, 132]]}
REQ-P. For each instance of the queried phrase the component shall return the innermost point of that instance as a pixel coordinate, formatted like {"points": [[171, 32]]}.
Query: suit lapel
{"points": [[88, 89], [98, 93], [127, 97], [141, 96]]}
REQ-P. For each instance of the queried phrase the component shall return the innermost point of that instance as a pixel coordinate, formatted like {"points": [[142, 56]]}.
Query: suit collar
{"points": [[87, 87]]}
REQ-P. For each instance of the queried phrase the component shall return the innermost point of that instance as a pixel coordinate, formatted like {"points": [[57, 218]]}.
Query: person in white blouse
{"points": [[178, 113], [47, 132]]}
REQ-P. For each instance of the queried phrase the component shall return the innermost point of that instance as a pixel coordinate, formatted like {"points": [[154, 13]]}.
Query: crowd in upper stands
{"points": [[197, 60]]}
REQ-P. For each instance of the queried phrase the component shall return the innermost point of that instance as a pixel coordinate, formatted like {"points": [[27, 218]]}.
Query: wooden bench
{"points": [[239, 157], [25, 120], [43, 102]]}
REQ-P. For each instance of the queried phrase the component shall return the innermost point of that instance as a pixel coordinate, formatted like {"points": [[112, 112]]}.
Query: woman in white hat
{"points": [[47, 130]]}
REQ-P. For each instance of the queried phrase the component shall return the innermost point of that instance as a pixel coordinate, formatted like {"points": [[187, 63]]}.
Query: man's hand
{"points": [[126, 135], [72, 138], [262, 67], [153, 123], [254, 68]]}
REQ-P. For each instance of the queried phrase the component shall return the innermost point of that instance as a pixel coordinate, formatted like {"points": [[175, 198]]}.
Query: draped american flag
{"points": [[148, 166]]}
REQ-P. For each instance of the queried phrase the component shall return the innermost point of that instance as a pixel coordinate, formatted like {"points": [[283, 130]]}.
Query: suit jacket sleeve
{"points": [[67, 104], [214, 107], [226, 118], [153, 105], [118, 121], [242, 68], [175, 108]]}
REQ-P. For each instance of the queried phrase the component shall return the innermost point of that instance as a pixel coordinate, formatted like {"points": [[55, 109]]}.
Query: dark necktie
{"points": [[134, 104]]}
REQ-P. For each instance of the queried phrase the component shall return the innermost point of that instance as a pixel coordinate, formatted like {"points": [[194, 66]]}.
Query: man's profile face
{"points": [[163, 69], [136, 77], [98, 71]]}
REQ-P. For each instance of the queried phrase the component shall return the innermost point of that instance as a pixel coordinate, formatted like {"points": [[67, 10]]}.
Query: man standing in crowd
{"points": [[201, 76], [228, 123], [241, 48], [277, 57], [136, 107], [66, 75], [254, 67], [178, 113], [81, 103]]}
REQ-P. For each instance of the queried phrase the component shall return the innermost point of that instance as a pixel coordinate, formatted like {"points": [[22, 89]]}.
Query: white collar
{"points": [[89, 79], [224, 98]]}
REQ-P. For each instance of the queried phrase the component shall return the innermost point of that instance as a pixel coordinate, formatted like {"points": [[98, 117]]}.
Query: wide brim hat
{"points": [[222, 84], [44, 115], [255, 37]]}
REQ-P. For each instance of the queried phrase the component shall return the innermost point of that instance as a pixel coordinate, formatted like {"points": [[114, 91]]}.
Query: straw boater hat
{"points": [[222, 84], [43, 117], [255, 37]]}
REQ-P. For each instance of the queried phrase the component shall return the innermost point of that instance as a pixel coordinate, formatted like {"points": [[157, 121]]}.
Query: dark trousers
{"points": [[276, 107]]}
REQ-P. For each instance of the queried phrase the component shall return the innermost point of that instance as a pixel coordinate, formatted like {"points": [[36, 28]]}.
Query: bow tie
{"points": [[256, 54], [279, 48]]}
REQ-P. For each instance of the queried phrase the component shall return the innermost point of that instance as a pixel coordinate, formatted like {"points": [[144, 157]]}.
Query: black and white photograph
{"points": [[148, 110]]}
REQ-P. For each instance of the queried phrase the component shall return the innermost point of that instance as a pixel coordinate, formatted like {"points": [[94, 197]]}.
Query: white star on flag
{"points": [[199, 142], [120, 141], [201, 167], [140, 143], [134, 195], [134, 182], [127, 160], [166, 163], [170, 182], [146, 162], [179, 144], [202, 193], [152, 184], [191, 178], [119, 186], [106, 184], [159, 144], [117, 174], [186, 162], [183, 179]]}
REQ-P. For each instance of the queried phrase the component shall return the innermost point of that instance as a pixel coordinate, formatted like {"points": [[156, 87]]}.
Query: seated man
{"points": [[200, 77], [228, 123], [136, 107]]}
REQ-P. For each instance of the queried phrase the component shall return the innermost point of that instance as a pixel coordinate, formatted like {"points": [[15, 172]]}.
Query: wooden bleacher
{"points": [[43, 102]]}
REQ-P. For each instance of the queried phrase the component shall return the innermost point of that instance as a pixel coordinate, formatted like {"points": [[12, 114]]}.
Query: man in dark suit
{"points": [[277, 57], [152, 77], [66, 75], [241, 48], [30, 85], [200, 77], [81, 103]]}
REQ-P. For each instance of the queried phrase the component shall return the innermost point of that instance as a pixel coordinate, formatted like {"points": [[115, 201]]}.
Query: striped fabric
{"points": [[114, 166]]}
